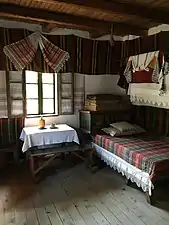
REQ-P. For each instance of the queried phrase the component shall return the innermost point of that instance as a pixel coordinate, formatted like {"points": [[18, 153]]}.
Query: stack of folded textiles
{"points": [[107, 102]]}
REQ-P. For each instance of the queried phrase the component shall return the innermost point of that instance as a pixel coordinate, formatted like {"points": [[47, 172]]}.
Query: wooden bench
{"points": [[40, 158]]}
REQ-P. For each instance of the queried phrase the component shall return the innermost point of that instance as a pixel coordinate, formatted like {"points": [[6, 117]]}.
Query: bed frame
{"points": [[132, 174], [152, 119]]}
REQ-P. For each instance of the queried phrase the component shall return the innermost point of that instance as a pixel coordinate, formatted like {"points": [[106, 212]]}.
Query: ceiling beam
{"points": [[156, 15], [9, 11]]}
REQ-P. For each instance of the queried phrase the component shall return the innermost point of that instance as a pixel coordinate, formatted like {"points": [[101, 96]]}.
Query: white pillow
{"points": [[139, 129], [111, 131], [117, 133], [123, 126]]}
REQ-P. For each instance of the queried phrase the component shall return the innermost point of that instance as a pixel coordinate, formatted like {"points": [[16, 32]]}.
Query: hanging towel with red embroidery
{"points": [[23, 52], [143, 62]]}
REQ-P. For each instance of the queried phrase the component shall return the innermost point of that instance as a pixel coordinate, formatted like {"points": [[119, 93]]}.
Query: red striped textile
{"points": [[22, 53], [10, 130], [146, 152], [53, 55]]}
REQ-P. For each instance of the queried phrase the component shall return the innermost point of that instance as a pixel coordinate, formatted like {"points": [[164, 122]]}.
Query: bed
{"points": [[143, 159]]}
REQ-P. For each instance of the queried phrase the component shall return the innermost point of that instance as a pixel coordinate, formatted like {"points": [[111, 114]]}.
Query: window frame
{"points": [[58, 98], [40, 97]]}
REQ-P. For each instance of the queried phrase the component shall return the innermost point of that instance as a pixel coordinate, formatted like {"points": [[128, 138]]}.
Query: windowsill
{"points": [[45, 115]]}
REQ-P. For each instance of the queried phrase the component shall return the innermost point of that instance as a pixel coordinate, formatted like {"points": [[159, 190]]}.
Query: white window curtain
{"points": [[3, 95]]}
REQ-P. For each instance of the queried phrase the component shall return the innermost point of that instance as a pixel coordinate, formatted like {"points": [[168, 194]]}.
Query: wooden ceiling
{"points": [[96, 16]]}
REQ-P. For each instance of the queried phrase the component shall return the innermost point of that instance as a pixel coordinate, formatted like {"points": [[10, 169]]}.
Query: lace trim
{"points": [[146, 100], [137, 176]]}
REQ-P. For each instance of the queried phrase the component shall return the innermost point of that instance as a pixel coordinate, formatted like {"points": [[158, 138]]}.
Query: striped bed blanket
{"points": [[146, 152]]}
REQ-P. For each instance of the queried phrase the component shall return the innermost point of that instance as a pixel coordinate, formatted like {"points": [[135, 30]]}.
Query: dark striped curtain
{"points": [[10, 130], [141, 45], [86, 56], [152, 119], [97, 57]]}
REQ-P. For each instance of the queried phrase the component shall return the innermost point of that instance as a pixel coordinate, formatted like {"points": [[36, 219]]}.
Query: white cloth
{"points": [[136, 175], [33, 136], [3, 96], [148, 95], [142, 61]]}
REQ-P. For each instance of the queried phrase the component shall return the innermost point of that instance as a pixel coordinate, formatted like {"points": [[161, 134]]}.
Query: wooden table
{"points": [[42, 147]]}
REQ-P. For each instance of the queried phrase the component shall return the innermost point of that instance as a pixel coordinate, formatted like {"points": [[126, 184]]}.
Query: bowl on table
{"points": [[53, 126]]}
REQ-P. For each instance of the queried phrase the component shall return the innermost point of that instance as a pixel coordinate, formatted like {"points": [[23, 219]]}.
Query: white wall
{"points": [[94, 84], [72, 120], [63, 31], [102, 84]]}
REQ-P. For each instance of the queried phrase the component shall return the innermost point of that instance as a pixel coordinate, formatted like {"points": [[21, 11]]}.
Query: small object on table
{"points": [[53, 126], [41, 123]]}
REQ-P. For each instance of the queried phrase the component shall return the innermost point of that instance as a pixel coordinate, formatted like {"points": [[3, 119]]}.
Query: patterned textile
{"points": [[142, 62], [151, 118], [79, 91], [145, 152], [10, 130], [86, 56], [142, 45], [97, 57], [54, 56], [3, 95], [128, 72], [22, 53]]}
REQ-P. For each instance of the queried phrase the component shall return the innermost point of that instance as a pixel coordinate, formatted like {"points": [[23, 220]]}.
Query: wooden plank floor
{"points": [[76, 197]]}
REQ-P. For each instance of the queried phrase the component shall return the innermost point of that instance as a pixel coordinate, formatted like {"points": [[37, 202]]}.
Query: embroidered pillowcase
{"points": [[123, 126], [123, 129], [111, 131]]}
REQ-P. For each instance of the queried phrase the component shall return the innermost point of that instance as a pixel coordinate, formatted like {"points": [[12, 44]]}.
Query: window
{"points": [[41, 93], [31, 93]]}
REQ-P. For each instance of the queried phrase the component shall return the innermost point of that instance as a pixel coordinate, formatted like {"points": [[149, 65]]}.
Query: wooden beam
{"points": [[17, 12], [156, 15]]}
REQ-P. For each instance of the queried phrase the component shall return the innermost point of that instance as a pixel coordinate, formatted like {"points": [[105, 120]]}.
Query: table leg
{"points": [[32, 167]]}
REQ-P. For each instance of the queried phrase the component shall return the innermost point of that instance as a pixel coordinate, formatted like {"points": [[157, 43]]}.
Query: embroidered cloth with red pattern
{"points": [[146, 152]]}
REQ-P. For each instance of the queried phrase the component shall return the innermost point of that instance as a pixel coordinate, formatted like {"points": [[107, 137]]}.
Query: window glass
{"points": [[31, 77], [47, 78], [31, 91], [32, 106], [48, 90], [48, 106]]}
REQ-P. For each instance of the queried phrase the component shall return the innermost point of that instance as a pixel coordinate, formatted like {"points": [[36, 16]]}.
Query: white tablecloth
{"points": [[33, 136]]}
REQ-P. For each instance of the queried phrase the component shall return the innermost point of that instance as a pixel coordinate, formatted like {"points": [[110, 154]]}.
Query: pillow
{"points": [[120, 134], [123, 126], [114, 132], [111, 131], [139, 129]]}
